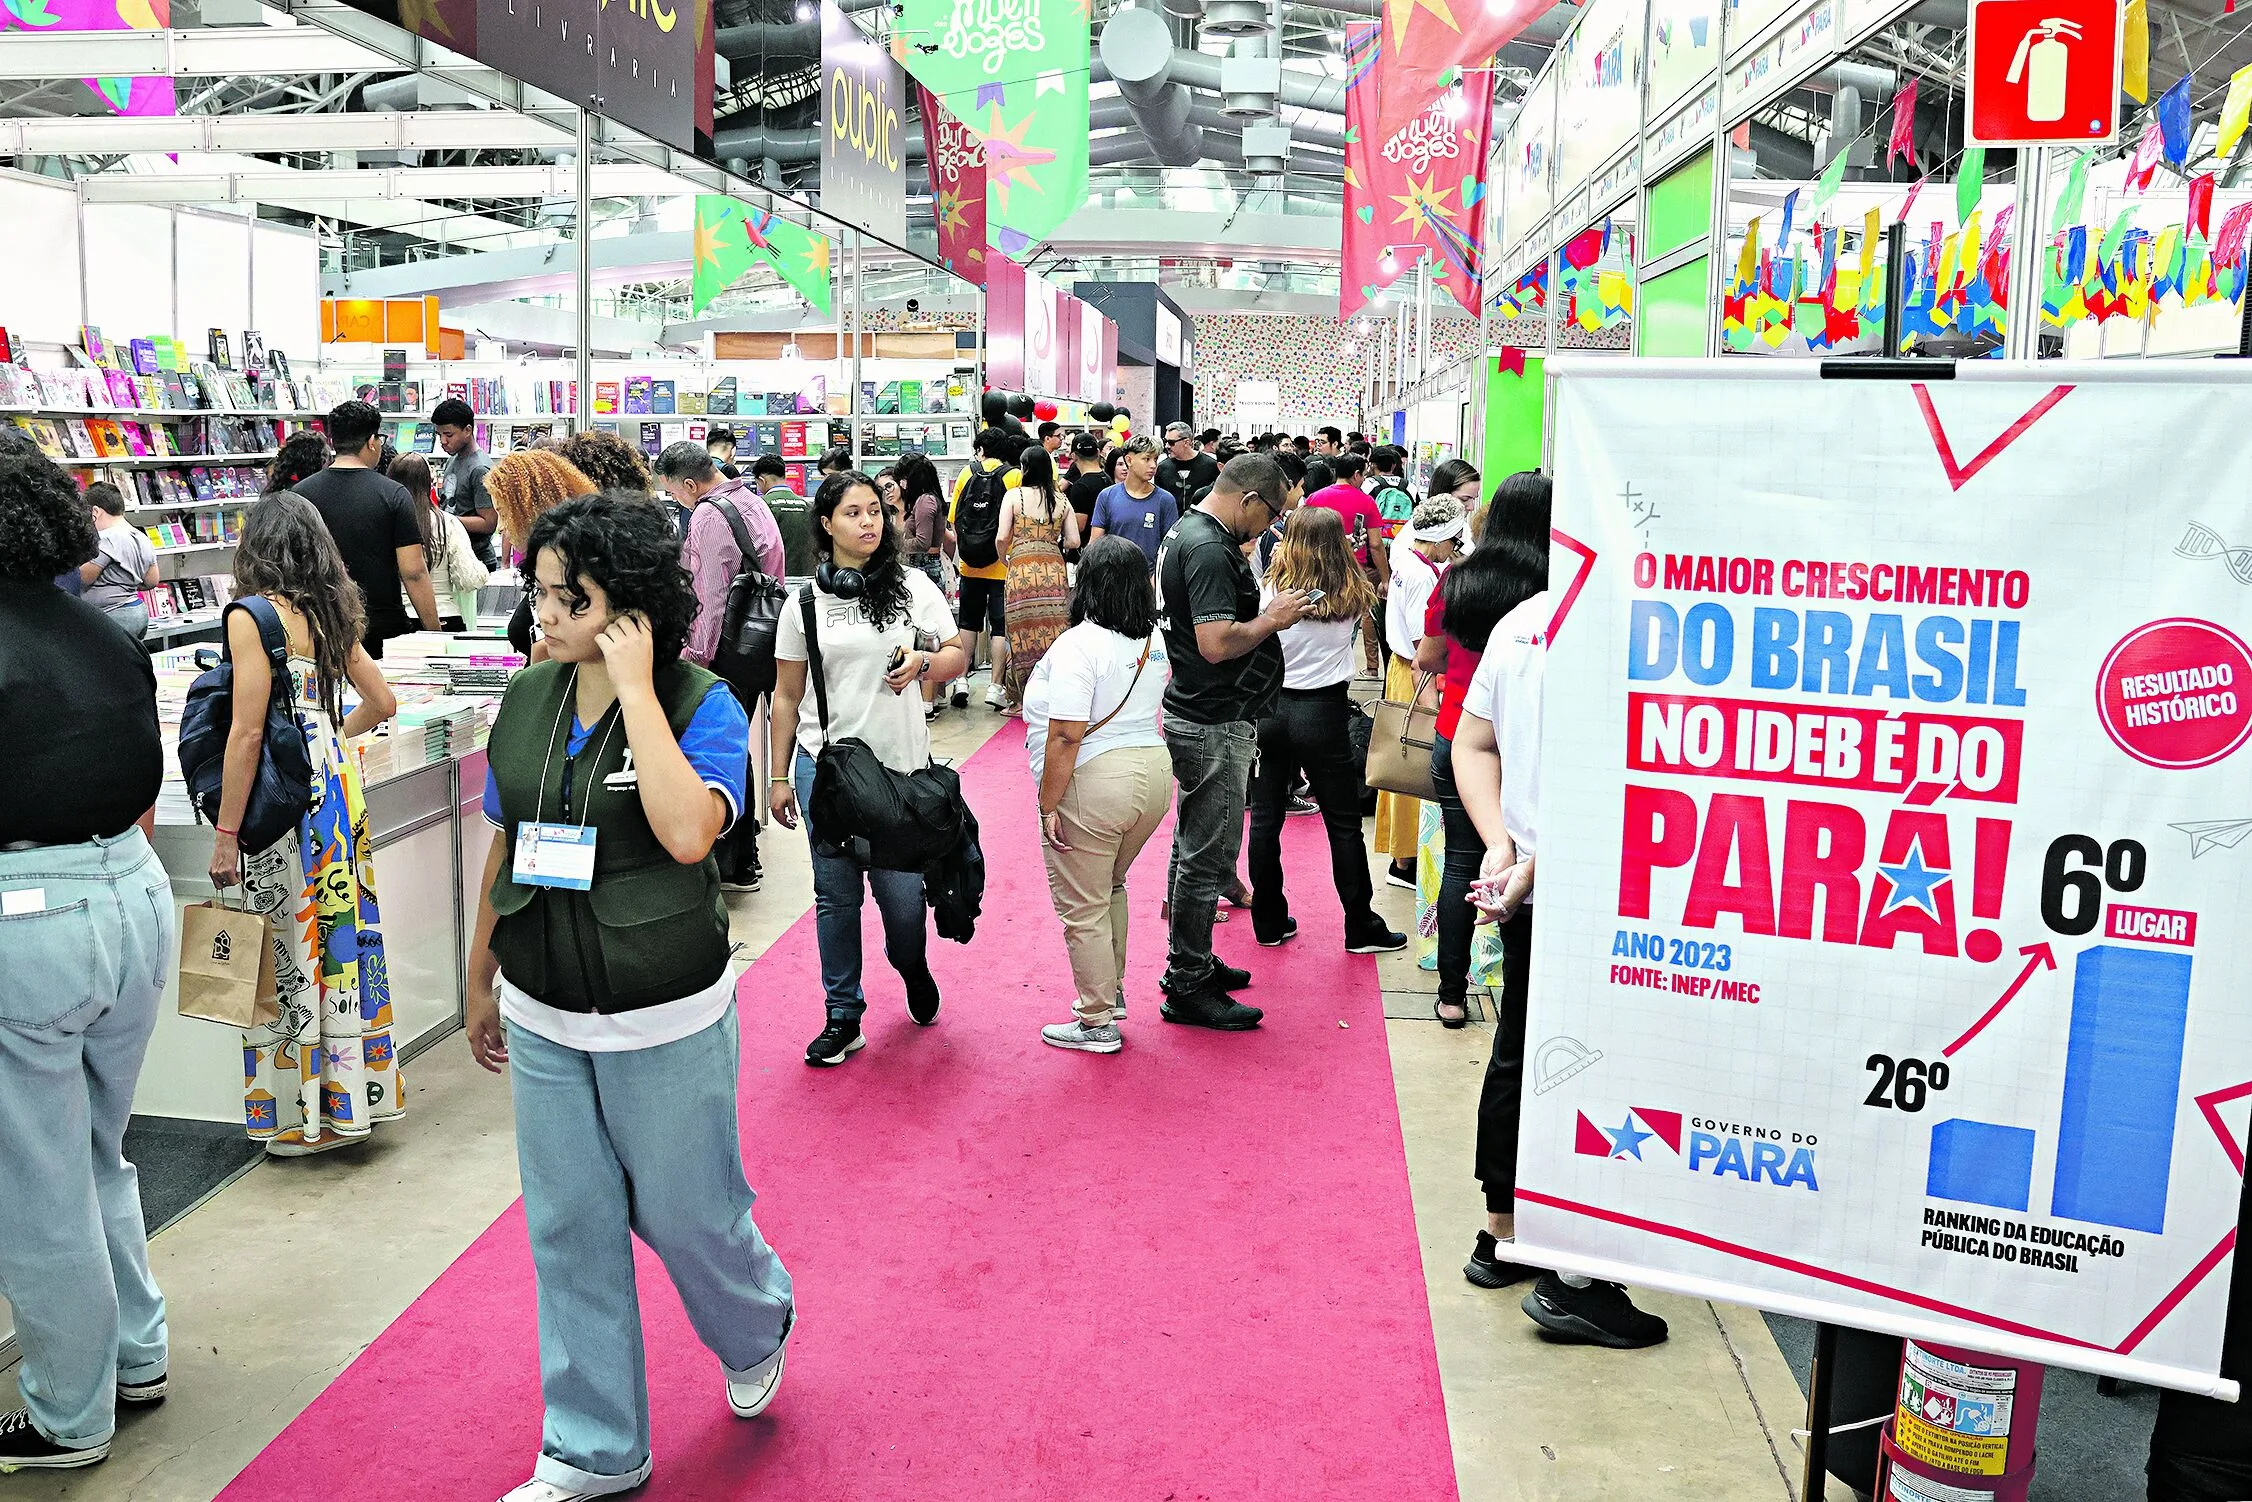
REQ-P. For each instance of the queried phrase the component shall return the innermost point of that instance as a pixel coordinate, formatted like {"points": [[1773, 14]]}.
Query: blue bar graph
{"points": [[2122, 1087], [1980, 1163]]}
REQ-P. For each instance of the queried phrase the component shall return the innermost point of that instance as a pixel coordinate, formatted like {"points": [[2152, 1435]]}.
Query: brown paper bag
{"points": [[227, 966]]}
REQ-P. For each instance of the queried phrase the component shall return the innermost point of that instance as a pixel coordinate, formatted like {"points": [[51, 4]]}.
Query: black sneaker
{"points": [[1226, 977], [150, 1391], [1401, 874], [840, 1038], [1600, 1314], [1282, 935], [922, 999], [1214, 1009], [961, 695], [742, 881], [1379, 940], [1299, 803], [1488, 1271], [24, 1448]]}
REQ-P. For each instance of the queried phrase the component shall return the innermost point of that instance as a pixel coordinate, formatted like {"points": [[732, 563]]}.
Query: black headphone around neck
{"points": [[844, 583]]}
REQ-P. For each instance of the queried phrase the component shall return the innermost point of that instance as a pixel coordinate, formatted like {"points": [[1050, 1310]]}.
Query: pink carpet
{"points": [[1186, 1271]]}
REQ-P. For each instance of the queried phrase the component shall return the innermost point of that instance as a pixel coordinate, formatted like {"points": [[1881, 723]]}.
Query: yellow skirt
{"points": [[1397, 816]]}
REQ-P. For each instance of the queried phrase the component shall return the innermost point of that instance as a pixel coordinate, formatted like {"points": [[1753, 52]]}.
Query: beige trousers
{"points": [[1110, 809]]}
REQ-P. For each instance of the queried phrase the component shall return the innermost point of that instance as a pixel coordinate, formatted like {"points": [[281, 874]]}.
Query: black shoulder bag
{"points": [[749, 619], [892, 821]]}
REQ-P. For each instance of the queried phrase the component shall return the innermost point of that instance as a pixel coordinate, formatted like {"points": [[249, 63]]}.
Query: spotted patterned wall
{"points": [[1319, 383]]}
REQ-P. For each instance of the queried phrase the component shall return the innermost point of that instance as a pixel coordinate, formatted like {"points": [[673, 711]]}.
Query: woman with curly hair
{"points": [[324, 1072], [81, 976], [621, 1043], [302, 455], [525, 486], [608, 460], [882, 627]]}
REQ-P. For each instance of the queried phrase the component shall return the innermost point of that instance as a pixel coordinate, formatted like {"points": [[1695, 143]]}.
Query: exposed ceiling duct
{"points": [[1229, 19], [1137, 50]]}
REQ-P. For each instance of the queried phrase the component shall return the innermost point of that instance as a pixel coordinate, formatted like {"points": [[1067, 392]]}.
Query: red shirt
{"points": [[1462, 666], [1352, 503]]}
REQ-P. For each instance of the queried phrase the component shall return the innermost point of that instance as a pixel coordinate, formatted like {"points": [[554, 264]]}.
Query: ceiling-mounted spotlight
{"points": [[1390, 263], [806, 12]]}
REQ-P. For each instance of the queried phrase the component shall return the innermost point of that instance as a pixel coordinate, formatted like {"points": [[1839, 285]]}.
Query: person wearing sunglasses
{"points": [[1227, 672]]}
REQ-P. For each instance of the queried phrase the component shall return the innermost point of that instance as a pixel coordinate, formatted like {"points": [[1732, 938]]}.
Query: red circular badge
{"points": [[2177, 693]]}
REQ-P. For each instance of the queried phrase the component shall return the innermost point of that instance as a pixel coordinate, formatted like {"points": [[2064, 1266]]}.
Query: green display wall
{"points": [[1514, 408], [1673, 312]]}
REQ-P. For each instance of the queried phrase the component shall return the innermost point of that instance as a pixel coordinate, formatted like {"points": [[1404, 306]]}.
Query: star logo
{"points": [[1420, 207], [1627, 1139], [1913, 881], [1008, 161], [710, 241], [1402, 13]]}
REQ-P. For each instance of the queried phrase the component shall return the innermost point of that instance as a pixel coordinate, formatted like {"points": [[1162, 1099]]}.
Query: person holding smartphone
{"points": [[602, 945], [1306, 729]]}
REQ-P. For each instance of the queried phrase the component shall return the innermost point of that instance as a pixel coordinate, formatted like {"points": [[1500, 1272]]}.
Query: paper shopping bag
{"points": [[227, 966]]}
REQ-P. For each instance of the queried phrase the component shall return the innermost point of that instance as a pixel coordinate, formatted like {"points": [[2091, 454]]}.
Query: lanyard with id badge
{"points": [[560, 854]]}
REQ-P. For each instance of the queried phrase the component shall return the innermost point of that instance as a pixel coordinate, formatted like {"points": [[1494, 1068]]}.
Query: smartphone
{"points": [[1314, 597], [898, 656]]}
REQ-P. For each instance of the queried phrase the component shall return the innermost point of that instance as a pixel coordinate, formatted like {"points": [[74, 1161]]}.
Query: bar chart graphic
{"points": [[2122, 1091]]}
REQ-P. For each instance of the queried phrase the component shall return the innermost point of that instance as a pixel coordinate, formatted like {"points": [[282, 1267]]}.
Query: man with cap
{"points": [[1185, 470]]}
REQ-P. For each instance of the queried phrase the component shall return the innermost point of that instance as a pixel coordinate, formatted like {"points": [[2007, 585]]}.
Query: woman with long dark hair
{"points": [[882, 627], [1037, 526], [621, 1041], [455, 573], [302, 455], [1306, 730], [325, 1072], [1105, 780]]}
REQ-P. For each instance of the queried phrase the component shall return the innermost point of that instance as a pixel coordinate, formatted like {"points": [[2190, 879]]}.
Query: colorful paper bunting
{"points": [[2236, 112], [2134, 62], [2173, 121], [1970, 182], [2074, 194], [1903, 141], [1826, 186]]}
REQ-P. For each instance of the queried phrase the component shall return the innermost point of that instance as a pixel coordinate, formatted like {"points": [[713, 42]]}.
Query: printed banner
{"points": [[955, 159], [731, 237], [863, 130], [124, 96], [1894, 849], [1428, 42], [1417, 191], [1015, 72]]}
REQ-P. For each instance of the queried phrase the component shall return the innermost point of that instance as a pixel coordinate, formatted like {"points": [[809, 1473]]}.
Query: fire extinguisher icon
{"points": [[2040, 63]]}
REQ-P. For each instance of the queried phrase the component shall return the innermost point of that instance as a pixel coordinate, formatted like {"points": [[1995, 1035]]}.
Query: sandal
{"points": [[1439, 1010]]}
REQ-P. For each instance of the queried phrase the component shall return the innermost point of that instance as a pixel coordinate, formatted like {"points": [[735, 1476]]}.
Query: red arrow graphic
{"points": [[2040, 955]]}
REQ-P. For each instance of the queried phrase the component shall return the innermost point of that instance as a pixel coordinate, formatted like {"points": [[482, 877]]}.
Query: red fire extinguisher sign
{"points": [[2044, 72]]}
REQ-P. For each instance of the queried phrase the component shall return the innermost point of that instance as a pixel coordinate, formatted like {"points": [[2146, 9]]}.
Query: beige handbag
{"points": [[1399, 745], [227, 966]]}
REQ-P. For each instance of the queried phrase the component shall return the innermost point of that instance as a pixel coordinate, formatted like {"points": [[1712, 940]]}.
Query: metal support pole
{"points": [[582, 234], [1716, 256], [859, 441], [2029, 261], [1814, 1484], [1423, 316], [1895, 287]]}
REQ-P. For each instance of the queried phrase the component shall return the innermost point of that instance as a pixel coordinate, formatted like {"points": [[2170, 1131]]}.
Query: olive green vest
{"points": [[650, 929]]}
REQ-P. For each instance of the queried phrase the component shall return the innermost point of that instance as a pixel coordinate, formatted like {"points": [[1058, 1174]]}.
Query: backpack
{"points": [[749, 620], [1394, 502], [281, 791], [862, 809], [977, 518]]}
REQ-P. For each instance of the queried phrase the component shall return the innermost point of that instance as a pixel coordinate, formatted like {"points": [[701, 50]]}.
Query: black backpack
{"points": [[282, 790], [749, 620], [977, 518]]}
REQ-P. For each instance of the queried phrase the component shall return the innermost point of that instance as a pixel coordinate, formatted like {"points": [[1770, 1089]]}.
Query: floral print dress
{"points": [[328, 1065]]}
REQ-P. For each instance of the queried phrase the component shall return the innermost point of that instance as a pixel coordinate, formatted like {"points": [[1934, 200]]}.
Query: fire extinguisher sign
{"points": [[2044, 72]]}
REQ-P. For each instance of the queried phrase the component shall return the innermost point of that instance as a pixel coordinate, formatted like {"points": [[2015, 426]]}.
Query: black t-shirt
{"points": [[1081, 491], [80, 753], [1187, 479], [371, 517], [1202, 576]]}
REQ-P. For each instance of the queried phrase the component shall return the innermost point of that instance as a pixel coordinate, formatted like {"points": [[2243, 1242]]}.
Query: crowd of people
{"points": [[1176, 625]]}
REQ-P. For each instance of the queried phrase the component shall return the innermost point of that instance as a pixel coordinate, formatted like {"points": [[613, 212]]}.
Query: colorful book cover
{"points": [[652, 438], [96, 350], [769, 440], [888, 398], [43, 433], [108, 442], [137, 439], [793, 475], [692, 403], [869, 398], [637, 395], [910, 396], [661, 397], [721, 403], [81, 441], [605, 398], [793, 440]]}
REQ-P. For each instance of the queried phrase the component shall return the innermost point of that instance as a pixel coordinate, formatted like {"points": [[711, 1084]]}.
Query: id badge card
{"points": [[555, 855]]}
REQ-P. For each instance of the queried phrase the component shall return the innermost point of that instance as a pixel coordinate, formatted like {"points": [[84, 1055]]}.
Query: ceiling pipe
{"points": [[1137, 49], [793, 40]]}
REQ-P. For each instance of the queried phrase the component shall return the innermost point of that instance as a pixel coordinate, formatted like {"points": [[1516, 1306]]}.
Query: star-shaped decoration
{"points": [[1402, 13], [1008, 161], [953, 209], [817, 254], [1913, 881], [1627, 1139], [1419, 207], [709, 241], [425, 18]]}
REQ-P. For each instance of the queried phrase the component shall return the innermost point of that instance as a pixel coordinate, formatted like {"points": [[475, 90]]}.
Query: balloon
{"points": [[994, 406], [1045, 411], [1020, 407], [1101, 412]]}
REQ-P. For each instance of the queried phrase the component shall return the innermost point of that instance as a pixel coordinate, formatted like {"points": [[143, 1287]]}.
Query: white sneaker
{"points": [[548, 1491], [750, 1394], [1082, 1038], [996, 697]]}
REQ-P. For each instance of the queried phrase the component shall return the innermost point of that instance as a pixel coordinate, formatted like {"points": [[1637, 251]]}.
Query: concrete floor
{"points": [[1705, 1416]]}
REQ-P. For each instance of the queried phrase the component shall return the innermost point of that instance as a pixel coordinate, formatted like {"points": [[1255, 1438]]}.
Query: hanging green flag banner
{"points": [[2108, 252], [731, 237], [1826, 186], [1969, 183], [1016, 75], [2075, 192]]}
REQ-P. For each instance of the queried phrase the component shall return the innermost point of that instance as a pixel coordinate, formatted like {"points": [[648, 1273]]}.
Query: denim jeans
{"points": [[1212, 769], [838, 889], [1458, 920], [610, 1146], [81, 974], [1307, 729]]}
